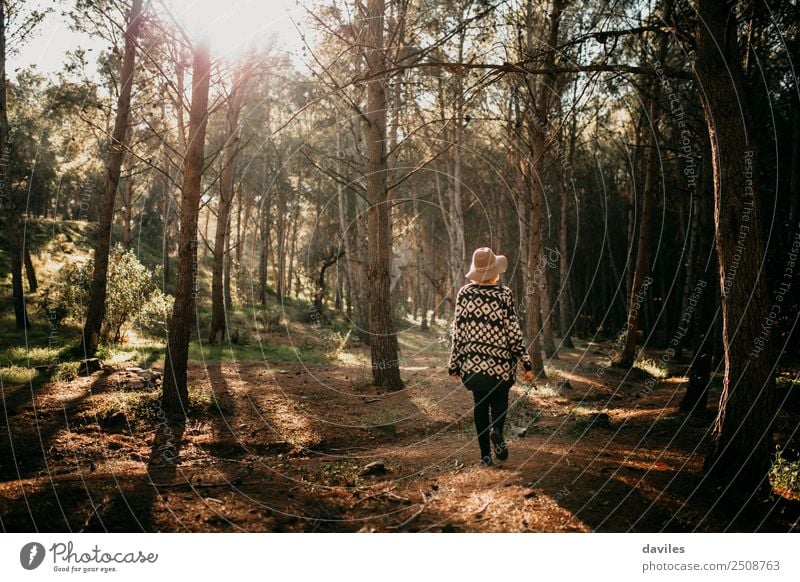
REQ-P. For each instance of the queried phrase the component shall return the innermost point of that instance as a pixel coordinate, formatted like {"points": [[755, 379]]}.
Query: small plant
{"points": [[546, 391], [584, 411], [785, 473], [66, 371], [335, 343], [652, 367]]}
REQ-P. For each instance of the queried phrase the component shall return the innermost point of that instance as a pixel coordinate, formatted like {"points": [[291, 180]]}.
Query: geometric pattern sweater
{"points": [[487, 338]]}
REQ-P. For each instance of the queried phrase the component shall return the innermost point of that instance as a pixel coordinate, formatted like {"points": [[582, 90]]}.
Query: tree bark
{"points": [[548, 344], [175, 390], [706, 308], [565, 307], [13, 232], [127, 213], [30, 272], [263, 225], [345, 229], [794, 180], [534, 314], [641, 278], [226, 196], [741, 447], [537, 118], [383, 338], [116, 151]]}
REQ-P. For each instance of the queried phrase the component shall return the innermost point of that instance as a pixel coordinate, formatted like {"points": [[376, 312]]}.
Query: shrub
{"points": [[155, 313], [132, 292], [67, 297], [785, 473]]}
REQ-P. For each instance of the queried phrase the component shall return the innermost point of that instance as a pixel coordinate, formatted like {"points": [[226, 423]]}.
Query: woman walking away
{"points": [[487, 344]]}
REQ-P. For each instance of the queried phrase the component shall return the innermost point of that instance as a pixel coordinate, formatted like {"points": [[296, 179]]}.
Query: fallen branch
{"points": [[426, 500], [383, 493], [410, 519], [482, 509]]}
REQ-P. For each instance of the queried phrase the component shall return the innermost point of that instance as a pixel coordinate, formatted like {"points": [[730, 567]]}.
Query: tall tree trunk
{"points": [[281, 236], [692, 259], [383, 338], [263, 225], [705, 309], [344, 226], [794, 181], [13, 231], [534, 314], [127, 213], [641, 277], [565, 308], [294, 218], [175, 390], [548, 344], [631, 233], [451, 204], [538, 116], [226, 196], [739, 456], [116, 150], [30, 272], [226, 277], [166, 193]]}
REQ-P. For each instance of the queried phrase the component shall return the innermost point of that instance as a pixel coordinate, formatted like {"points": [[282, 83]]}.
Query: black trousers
{"points": [[491, 405]]}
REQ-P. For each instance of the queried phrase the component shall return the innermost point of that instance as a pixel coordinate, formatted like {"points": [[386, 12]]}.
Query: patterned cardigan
{"points": [[487, 338]]}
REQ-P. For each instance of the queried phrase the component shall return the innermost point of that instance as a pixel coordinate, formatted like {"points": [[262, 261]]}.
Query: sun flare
{"points": [[235, 26]]}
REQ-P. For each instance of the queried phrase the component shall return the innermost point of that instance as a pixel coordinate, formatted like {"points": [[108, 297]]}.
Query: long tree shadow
{"points": [[25, 444], [31, 474], [132, 506], [80, 498]]}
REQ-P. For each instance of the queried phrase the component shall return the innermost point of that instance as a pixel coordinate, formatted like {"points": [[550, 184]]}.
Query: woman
{"points": [[487, 343]]}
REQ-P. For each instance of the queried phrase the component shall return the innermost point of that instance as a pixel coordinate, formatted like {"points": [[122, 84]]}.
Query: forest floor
{"points": [[312, 446]]}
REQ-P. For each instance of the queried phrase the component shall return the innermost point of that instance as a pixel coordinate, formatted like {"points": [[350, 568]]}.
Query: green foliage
{"points": [[132, 294], [152, 318], [16, 374], [145, 405], [785, 473], [33, 356], [67, 296]]}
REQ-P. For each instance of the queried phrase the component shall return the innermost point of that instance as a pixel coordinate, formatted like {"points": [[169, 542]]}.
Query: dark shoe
{"points": [[486, 461], [500, 448]]}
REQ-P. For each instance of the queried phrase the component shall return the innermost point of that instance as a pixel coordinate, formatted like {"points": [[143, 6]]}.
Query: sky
{"points": [[231, 25]]}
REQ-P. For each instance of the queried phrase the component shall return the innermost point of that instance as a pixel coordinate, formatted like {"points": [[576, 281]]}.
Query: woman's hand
{"points": [[454, 376]]}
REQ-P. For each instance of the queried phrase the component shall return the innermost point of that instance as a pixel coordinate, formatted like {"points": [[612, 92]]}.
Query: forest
{"points": [[233, 235]]}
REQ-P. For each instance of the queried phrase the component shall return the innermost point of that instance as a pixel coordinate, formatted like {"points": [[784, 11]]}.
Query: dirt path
{"points": [[293, 447]]}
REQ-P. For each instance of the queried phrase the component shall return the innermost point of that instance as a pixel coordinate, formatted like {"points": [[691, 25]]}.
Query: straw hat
{"points": [[485, 265]]}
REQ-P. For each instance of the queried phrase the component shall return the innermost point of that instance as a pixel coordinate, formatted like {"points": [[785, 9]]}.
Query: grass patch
{"points": [[145, 405], [652, 367], [33, 356], [362, 384], [16, 374], [142, 355], [65, 371], [546, 390], [146, 355], [584, 411], [522, 414], [305, 352]]}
